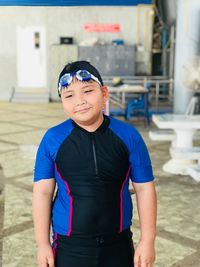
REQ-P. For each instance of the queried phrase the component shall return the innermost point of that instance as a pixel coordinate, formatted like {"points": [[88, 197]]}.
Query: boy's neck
{"points": [[92, 126]]}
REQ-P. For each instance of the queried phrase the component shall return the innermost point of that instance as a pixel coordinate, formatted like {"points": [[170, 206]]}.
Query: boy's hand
{"points": [[144, 254], [45, 256]]}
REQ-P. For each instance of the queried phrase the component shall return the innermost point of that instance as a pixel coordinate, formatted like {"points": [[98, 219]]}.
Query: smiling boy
{"points": [[91, 158]]}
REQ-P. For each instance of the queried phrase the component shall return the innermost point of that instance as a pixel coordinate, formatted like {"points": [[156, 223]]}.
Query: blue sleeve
{"points": [[141, 168], [44, 164]]}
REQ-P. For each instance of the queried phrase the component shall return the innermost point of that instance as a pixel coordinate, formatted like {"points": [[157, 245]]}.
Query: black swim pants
{"points": [[99, 251]]}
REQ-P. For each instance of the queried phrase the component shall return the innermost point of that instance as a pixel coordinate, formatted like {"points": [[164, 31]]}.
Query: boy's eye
{"points": [[68, 96], [88, 91]]}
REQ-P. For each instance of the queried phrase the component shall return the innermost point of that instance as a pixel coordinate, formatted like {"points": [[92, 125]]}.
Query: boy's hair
{"points": [[80, 65]]}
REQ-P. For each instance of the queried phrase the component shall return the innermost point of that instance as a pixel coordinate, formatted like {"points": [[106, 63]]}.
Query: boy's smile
{"points": [[83, 103], [83, 110]]}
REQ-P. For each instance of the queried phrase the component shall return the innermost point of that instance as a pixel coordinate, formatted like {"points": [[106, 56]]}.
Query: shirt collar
{"points": [[101, 128]]}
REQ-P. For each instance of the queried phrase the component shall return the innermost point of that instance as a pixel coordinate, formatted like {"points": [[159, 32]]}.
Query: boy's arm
{"points": [[43, 191], [147, 210]]}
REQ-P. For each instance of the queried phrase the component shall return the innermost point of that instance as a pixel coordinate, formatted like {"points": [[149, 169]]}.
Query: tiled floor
{"points": [[21, 129]]}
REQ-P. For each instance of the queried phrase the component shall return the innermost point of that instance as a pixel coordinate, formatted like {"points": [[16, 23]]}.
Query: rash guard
{"points": [[92, 171]]}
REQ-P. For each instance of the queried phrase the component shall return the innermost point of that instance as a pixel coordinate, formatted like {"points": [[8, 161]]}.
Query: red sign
{"points": [[96, 27]]}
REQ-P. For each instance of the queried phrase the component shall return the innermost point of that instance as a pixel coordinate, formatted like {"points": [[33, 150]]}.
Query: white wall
{"points": [[136, 27]]}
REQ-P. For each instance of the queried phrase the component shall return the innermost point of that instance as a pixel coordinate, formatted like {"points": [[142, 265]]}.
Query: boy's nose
{"points": [[81, 102]]}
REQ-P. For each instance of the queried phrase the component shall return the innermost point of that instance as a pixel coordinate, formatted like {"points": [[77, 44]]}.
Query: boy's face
{"points": [[83, 101]]}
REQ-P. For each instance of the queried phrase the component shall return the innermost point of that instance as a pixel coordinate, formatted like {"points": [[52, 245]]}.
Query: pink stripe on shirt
{"points": [[121, 204], [70, 203]]}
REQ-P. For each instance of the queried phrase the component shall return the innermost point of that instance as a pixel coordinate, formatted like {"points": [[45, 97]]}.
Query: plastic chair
{"points": [[139, 105]]}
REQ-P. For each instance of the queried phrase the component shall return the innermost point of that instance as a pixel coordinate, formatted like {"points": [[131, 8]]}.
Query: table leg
{"points": [[123, 98], [146, 108], [184, 139], [107, 108]]}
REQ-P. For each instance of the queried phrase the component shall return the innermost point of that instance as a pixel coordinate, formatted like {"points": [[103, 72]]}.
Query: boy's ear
{"points": [[105, 92]]}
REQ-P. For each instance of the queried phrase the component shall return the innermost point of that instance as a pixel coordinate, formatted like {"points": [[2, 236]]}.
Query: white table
{"points": [[184, 127]]}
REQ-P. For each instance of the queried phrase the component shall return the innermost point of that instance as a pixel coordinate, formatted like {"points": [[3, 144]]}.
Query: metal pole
{"points": [[172, 51]]}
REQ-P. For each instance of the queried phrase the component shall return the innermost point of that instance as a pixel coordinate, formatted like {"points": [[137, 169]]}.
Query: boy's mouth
{"points": [[83, 110]]}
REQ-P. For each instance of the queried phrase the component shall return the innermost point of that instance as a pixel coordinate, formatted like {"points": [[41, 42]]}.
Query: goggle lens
{"points": [[84, 74], [81, 75]]}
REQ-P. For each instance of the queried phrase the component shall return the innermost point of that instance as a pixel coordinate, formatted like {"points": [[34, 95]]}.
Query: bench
{"points": [[167, 135], [162, 135]]}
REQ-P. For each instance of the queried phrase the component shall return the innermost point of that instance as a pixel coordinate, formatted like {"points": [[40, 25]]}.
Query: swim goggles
{"points": [[81, 75]]}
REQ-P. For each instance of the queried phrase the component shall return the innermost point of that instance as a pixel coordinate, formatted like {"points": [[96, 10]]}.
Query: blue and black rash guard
{"points": [[92, 171]]}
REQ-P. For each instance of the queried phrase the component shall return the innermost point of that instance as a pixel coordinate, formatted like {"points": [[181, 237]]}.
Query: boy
{"points": [[90, 158]]}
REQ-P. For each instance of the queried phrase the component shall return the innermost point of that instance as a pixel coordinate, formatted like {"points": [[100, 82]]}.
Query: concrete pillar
{"points": [[187, 46]]}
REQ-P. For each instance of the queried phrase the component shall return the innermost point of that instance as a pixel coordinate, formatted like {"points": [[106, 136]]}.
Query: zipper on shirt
{"points": [[94, 154]]}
